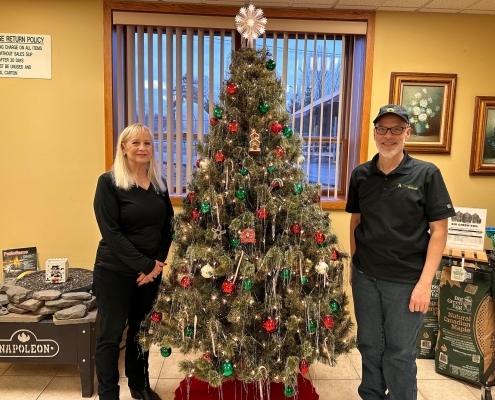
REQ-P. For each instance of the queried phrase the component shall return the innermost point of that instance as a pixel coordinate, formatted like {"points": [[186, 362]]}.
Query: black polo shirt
{"points": [[392, 238]]}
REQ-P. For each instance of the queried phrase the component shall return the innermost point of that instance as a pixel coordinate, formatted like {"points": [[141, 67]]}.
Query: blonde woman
{"points": [[134, 213]]}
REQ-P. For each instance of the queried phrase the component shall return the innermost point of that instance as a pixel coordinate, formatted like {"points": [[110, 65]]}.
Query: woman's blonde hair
{"points": [[122, 175]]}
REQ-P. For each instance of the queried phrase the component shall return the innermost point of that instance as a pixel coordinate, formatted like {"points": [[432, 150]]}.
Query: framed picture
{"points": [[483, 147], [429, 98]]}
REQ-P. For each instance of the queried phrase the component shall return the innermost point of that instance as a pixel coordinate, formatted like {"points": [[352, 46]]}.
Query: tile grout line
{"points": [[50, 381], [353, 366], [159, 374], [11, 365]]}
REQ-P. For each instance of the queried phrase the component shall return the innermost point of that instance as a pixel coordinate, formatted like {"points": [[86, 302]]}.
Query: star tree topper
{"points": [[250, 23]]}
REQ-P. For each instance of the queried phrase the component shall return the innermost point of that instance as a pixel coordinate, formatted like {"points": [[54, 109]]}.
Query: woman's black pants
{"points": [[121, 301]]}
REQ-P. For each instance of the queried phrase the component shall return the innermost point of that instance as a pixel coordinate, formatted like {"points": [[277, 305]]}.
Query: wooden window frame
{"points": [[308, 14]]}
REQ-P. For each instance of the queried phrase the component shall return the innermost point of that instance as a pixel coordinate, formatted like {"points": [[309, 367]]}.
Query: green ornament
{"points": [[247, 284], [264, 107], [205, 207], [287, 132], [298, 188], [304, 280], [288, 391], [270, 65], [334, 306], [218, 112], [189, 331], [244, 172], [235, 242], [323, 244], [166, 351], [240, 194], [285, 274], [312, 326], [173, 235], [271, 169], [227, 368]]}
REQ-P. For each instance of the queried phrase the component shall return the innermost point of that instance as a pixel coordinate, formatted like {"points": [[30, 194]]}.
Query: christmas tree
{"points": [[255, 286]]}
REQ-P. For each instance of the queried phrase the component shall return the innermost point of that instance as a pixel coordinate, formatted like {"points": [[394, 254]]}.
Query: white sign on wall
{"points": [[25, 56], [466, 229]]}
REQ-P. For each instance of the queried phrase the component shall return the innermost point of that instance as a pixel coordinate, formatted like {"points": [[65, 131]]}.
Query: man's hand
{"points": [[420, 297], [144, 279]]}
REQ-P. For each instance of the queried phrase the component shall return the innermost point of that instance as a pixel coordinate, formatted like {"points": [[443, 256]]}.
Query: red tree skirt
{"points": [[194, 389]]}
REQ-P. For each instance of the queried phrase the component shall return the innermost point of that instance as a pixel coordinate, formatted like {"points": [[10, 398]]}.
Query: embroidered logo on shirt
{"points": [[407, 186], [449, 206]]}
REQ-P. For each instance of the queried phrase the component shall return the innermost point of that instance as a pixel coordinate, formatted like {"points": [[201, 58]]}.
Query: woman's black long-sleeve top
{"points": [[135, 225]]}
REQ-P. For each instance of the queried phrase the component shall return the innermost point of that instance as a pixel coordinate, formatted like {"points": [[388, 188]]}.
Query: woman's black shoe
{"points": [[144, 394]]}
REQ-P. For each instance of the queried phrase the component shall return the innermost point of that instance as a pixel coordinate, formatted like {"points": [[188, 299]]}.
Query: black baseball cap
{"points": [[393, 109]]}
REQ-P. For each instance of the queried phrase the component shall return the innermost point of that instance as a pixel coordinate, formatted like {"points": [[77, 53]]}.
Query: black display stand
{"points": [[44, 342]]}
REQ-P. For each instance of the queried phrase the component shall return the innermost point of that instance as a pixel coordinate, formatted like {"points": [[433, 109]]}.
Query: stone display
{"points": [[31, 304], [31, 296], [18, 294], [47, 295], [74, 312]]}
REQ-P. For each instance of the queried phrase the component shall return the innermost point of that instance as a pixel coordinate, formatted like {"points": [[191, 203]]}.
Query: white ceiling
{"points": [[442, 6]]}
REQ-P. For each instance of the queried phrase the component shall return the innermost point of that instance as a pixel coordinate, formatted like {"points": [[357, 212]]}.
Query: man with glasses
{"points": [[399, 206]]}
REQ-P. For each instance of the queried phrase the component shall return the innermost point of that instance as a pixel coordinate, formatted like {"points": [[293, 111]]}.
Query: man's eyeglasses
{"points": [[395, 130]]}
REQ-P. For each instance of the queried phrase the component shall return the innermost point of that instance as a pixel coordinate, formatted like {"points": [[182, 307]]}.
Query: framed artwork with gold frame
{"points": [[429, 98], [483, 146]]}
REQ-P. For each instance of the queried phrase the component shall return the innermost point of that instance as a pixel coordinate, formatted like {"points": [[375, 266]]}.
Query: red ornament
{"points": [[232, 89], [262, 213], [303, 366], [191, 196], [276, 128], [248, 236], [228, 287], [195, 214], [207, 356], [270, 324], [316, 199], [186, 282], [198, 162], [295, 228], [233, 127], [219, 157], [156, 316], [279, 152], [328, 321], [335, 254], [319, 237], [213, 121]]}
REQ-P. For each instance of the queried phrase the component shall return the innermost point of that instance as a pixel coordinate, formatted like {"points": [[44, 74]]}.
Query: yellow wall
{"points": [[53, 130], [52, 146]]}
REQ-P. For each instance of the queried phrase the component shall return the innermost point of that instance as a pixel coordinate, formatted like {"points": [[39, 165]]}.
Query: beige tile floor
{"points": [[61, 382]]}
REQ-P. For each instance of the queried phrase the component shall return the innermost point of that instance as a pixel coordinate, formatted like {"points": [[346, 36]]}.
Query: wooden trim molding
{"points": [[367, 87], [108, 85]]}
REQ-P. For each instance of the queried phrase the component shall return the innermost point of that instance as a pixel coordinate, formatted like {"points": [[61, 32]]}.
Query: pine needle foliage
{"points": [[274, 279]]}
